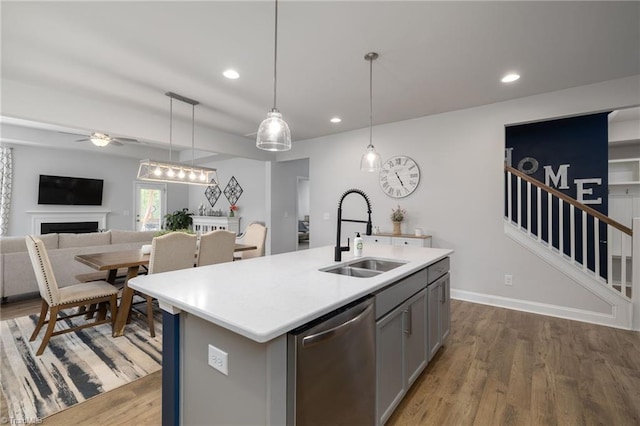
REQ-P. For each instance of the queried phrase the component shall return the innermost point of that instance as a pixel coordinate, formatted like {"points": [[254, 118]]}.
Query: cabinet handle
{"points": [[407, 312], [443, 297]]}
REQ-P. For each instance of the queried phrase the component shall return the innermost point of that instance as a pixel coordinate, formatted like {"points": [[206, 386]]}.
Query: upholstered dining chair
{"points": [[56, 299], [216, 247], [255, 234], [169, 252]]}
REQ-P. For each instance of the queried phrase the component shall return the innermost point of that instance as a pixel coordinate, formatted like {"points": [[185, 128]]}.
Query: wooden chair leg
{"points": [[113, 304], [152, 329], [90, 311], [53, 316], [102, 311], [43, 316]]}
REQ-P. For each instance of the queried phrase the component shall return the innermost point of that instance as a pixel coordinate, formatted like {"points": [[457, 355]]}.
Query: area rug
{"points": [[74, 367]]}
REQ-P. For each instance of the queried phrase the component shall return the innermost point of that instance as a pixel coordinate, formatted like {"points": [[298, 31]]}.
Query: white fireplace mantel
{"points": [[38, 217]]}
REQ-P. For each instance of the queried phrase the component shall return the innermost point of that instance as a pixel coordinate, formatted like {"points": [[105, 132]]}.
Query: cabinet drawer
{"points": [[399, 241], [376, 239], [438, 269], [400, 291]]}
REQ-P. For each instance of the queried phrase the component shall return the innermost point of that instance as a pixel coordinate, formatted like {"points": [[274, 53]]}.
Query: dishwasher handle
{"points": [[334, 331]]}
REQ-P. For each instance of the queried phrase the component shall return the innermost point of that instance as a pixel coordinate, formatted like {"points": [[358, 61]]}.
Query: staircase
{"points": [[589, 247]]}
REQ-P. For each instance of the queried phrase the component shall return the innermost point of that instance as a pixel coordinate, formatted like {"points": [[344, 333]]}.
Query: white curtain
{"points": [[6, 173]]}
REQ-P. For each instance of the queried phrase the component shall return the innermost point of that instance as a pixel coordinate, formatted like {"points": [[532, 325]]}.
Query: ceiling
{"points": [[434, 56]]}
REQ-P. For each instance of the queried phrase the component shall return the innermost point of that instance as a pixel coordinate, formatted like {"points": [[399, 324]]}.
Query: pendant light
{"points": [[273, 133], [370, 161], [169, 171]]}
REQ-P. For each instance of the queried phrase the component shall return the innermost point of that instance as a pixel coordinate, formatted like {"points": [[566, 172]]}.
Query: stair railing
{"points": [[615, 231]]}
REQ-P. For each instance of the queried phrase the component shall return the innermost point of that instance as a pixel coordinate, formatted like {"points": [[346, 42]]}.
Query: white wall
{"points": [[460, 197], [250, 174], [303, 197], [119, 174]]}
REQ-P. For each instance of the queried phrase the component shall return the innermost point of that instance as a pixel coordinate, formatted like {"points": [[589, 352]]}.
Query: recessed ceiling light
{"points": [[511, 77], [336, 120], [231, 74]]}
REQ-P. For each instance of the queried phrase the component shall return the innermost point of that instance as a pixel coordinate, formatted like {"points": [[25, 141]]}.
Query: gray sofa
{"points": [[16, 273]]}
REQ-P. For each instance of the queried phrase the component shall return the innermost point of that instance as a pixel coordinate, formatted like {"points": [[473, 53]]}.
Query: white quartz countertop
{"points": [[265, 297]]}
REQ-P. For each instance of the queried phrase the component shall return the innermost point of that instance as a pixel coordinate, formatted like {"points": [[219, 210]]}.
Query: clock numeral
{"points": [[406, 160], [385, 185], [398, 161], [390, 163], [413, 182], [390, 190], [413, 175], [412, 167], [398, 193]]}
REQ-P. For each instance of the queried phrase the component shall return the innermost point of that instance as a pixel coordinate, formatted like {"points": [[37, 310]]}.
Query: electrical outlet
{"points": [[218, 360], [508, 280]]}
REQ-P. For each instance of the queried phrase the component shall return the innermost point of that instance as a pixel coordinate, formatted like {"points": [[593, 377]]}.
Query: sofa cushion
{"points": [[18, 244], [119, 236], [84, 240]]}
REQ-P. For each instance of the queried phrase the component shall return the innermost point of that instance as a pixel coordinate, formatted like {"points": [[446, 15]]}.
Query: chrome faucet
{"points": [[339, 249]]}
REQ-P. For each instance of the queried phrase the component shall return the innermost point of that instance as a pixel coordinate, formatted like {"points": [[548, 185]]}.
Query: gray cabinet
{"points": [[439, 312], [401, 352]]}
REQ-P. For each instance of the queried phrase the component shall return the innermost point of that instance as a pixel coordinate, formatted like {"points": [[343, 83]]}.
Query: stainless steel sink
{"points": [[363, 268], [353, 272], [376, 264]]}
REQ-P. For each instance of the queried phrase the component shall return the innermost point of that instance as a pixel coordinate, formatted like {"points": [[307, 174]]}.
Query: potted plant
{"points": [[180, 219], [397, 216]]}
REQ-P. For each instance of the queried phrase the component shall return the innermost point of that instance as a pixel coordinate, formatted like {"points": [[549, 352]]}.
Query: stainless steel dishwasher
{"points": [[331, 376]]}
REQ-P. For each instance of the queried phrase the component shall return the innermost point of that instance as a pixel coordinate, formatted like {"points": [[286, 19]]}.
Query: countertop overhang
{"points": [[265, 297]]}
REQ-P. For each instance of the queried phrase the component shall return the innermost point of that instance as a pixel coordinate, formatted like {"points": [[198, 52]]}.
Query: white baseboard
{"points": [[611, 319]]}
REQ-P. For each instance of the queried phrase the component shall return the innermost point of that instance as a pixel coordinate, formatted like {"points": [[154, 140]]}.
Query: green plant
{"points": [[162, 232], [180, 219]]}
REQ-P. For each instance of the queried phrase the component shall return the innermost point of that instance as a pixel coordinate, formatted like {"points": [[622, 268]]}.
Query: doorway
{"points": [[302, 214], [150, 205]]}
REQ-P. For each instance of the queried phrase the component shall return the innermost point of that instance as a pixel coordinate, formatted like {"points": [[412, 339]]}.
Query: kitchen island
{"points": [[246, 309]]}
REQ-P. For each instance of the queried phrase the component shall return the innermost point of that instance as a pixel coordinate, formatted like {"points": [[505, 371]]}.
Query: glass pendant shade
{"points": [[100, 142], [370, 161], [274, 133]]}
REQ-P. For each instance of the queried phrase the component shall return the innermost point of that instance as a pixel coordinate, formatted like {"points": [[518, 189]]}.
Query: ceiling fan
{"points": [[103, 139]]}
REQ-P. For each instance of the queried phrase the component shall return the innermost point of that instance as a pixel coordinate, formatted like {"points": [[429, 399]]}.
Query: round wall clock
{"points": [[399, 176]]}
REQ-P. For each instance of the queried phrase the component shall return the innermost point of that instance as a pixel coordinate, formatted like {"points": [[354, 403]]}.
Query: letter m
{"points": [[560, 177]]}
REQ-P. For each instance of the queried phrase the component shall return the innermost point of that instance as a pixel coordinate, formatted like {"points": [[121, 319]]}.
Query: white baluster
{"points": [[584, 241], [609, 255], [539, 212], [549, 221], [561, 226], [529, 208], [623, 262], [596, 246], [572, 223], [509, 200], [519, 201]]}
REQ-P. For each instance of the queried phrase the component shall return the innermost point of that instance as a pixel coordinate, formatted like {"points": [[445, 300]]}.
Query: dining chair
{"points": [[56, 299], [255, 234], [169, 252], [216, 247]]}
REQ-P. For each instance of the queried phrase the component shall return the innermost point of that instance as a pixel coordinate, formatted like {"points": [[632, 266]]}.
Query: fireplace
{"points": [[68, 227], [67, 220]]}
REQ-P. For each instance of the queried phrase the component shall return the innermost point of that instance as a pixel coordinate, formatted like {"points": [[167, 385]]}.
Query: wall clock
{"points": [[399, 176]]}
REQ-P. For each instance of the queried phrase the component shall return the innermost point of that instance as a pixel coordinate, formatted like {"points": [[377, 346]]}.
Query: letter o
{"points": [[531, 170]]}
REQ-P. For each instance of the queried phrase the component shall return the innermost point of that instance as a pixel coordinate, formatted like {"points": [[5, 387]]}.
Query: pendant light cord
{"points": [[275, 60], [170, 127], [193, 126], [370, 101]]}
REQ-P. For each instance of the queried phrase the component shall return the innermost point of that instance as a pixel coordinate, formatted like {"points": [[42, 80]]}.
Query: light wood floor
{"points": [[498, 367]]}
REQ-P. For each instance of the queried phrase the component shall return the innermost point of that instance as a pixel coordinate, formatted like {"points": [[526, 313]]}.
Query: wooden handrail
{"points": [[570, 200]]}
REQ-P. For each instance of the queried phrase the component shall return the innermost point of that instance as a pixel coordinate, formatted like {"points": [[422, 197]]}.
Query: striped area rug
{"points": [[74, 367]]}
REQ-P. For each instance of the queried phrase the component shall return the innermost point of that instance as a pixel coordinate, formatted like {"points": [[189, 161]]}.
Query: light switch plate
{"points": [[218, 359]]}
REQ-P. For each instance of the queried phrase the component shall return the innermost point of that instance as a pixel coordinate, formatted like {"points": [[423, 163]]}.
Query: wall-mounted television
{"points": [[74, 191]]}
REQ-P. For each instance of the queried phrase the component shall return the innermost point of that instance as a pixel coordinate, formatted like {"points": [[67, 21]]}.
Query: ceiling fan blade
{"points": [[125, 140], [115, 142], [82, 140]]}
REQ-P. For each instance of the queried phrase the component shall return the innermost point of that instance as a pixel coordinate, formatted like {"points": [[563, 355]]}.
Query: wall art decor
{"points": [[212, 193], [232, 191]]}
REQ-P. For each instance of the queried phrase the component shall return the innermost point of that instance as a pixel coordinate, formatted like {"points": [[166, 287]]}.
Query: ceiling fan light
{"points": [[273, 133]]}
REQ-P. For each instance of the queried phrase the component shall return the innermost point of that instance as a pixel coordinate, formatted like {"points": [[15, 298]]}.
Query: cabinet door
{"points": [[390, 383], [415, 334], [433, 315], [445, 308]]}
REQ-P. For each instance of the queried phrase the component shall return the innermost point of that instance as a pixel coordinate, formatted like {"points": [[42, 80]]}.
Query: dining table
{"points": [[132, 260]]}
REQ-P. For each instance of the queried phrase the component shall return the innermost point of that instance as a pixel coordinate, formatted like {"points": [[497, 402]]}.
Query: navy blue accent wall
{"points": [[170, 369], [573, 149]]}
